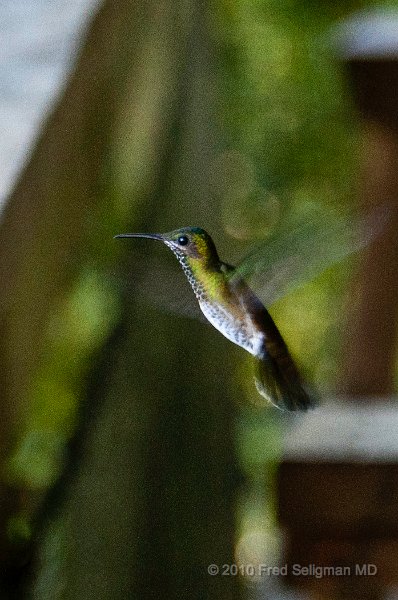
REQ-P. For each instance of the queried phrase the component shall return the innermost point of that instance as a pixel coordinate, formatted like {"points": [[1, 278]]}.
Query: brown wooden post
{"points": [[370, 50]]}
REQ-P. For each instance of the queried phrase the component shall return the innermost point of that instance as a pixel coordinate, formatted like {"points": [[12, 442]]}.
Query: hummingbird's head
{"points": [[191, 242], [188, 243]]}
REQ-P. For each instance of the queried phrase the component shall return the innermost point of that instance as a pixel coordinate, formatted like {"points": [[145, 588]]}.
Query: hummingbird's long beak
{"points": [[151, 236]]}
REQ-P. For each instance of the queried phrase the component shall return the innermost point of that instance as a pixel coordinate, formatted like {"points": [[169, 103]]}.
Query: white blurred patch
{"points": [[345, 431], [39, 41]]}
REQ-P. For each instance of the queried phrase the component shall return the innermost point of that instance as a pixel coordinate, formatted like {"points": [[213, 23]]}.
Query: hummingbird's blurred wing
{"points": [[301, 251], [164, 286]]}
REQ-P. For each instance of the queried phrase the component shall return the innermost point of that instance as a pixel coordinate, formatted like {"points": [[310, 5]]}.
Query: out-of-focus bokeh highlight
{"points": [[135, 451]]}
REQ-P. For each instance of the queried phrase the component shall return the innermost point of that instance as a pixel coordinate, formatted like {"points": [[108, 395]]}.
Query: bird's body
{"points": [[221, 303], [234, 310]]}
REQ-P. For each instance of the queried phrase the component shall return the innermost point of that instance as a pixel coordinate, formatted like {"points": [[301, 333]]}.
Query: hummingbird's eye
{"points": [[183, 240]]}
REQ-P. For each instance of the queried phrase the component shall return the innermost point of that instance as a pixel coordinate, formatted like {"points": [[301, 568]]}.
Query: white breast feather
{"points": [[246, 336]]}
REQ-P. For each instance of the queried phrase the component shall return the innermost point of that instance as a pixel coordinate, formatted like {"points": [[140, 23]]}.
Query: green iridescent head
{"points": [[188, 242]]}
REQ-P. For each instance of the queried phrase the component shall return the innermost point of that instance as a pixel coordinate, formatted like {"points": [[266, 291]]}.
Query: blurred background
{"points": [[135, 450]]}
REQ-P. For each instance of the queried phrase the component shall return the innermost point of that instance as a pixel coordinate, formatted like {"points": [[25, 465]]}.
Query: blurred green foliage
{"points": [[76, 330], [285, 104]]}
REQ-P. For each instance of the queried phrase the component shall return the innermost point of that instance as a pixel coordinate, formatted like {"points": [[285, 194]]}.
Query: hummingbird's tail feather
{"points": [[278, 381]]}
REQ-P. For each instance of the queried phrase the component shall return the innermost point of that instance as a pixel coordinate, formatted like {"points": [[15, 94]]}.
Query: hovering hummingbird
{"points": [[233, 309]]}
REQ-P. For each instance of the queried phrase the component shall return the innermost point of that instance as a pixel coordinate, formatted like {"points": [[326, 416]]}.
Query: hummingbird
{"points": [[234, 310]]}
